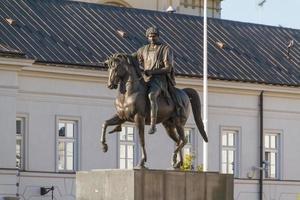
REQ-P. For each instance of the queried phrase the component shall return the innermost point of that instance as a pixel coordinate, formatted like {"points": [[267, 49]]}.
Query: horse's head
{"points": [[116, 70]]}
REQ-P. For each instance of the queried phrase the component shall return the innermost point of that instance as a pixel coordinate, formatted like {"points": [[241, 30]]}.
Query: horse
{"points": [[132, 105]]}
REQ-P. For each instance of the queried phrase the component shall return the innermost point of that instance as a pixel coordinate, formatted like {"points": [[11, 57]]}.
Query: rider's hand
{"points": [[147, 72]]}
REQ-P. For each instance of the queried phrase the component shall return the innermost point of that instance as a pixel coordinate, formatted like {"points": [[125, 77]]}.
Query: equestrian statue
{"points": [[147, 95]]}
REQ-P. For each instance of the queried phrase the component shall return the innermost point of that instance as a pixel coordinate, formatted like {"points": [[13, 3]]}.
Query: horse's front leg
{"points": [[140, 125], [118, 128], [115, 120]]}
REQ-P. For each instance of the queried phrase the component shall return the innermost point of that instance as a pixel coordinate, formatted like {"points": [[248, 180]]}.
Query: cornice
{"points": [[14, 64], [233, 87], [65, 73], [214, 86], [97, 100]]}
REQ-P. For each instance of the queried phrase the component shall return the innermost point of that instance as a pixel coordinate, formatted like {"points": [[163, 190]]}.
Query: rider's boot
{"points": [[153, 129]]}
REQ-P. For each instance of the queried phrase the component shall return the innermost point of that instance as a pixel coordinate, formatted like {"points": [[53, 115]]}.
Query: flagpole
{"points": [[205, 106]]}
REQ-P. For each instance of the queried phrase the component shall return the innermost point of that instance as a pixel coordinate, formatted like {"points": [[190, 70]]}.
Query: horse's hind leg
{"points": [[140, 125], [115, 120], [170, 129], [183, 141]]}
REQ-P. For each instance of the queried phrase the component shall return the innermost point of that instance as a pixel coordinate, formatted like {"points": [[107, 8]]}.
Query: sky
{"points": [[284, 13]]}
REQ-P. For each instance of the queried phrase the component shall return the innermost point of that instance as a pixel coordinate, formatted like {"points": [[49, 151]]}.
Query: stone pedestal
{"points": [[153, 185]]}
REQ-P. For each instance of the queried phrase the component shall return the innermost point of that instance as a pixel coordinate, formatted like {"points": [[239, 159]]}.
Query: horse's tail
{"points": [[196, 107]]}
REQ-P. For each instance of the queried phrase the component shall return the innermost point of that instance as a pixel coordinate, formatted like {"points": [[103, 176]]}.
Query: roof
{"points": [[77, 33]]}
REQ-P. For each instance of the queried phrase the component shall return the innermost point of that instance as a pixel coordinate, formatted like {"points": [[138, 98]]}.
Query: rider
{"points": [[157, 60]]}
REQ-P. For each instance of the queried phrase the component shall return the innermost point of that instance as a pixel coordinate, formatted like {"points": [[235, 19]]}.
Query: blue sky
{"points": [[285, 13]]}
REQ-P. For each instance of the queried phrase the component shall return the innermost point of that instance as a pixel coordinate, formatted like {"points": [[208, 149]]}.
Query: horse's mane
{"points": [[132, 61]]}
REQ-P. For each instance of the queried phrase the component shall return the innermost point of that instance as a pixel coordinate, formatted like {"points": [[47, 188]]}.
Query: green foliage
{"points": [[200, 168], [188, 164]]}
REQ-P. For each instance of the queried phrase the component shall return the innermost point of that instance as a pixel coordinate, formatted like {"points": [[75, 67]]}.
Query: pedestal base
{"points": [[153, 185]]}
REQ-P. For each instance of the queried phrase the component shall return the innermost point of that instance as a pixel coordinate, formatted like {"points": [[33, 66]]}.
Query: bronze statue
{"points": [[133, 105], [156, 60]]}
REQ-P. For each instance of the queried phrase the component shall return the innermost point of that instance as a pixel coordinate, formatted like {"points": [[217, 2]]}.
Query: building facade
{"points": [[54, 99], [38, 102], [189, 7]]}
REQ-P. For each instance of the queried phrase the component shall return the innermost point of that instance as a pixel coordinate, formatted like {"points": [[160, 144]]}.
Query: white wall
{"points": [[30, 184], [273, 190], [283, 114], [45, 99], [8, 182], [162, 5], [8, 91], [234, 111], [42, 96]]}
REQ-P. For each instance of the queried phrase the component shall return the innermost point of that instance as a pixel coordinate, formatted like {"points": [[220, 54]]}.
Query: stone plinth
{"points": [[153, 185]]}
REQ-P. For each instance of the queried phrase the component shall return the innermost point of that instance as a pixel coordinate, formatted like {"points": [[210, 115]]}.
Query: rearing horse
{"points": [[132, 105]]}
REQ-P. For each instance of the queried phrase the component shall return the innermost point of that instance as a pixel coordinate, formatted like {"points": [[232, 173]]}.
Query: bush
{"points": [[188, 164]]}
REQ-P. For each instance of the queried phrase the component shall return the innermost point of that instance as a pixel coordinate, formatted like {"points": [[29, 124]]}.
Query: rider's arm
{"points": [[167, 59]]}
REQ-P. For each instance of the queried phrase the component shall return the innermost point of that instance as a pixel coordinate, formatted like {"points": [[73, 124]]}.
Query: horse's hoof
{"points": [[116, 129], [104, 148], [141, 164], [152, 130], [177, 165], [140, 167], [174, 164]]}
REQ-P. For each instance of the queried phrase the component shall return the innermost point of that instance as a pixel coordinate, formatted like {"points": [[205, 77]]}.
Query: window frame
{"points": [[23, 137], [76, 142], [135, 143], [193, 144], [237, 149], [277, 150]]}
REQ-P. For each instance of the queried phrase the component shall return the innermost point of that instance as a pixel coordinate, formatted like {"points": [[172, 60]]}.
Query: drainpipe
{"points": [[261, 111]]}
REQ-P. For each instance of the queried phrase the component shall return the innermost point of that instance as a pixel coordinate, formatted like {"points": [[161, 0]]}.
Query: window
{"points": [[229, 151], [190, 3], [20, 132], [196, 7], [271, 155], [189, 148], [66, 147], [127, 148]]}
